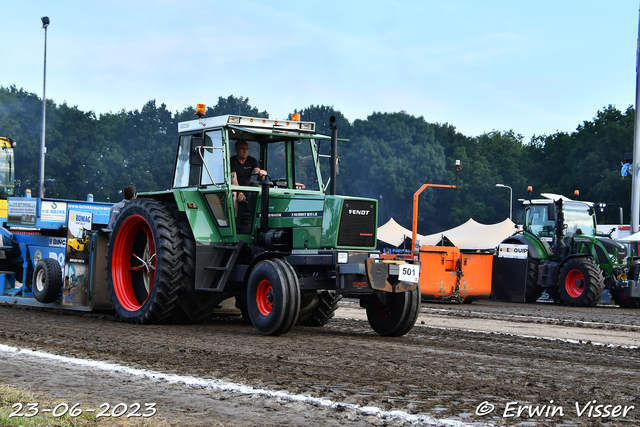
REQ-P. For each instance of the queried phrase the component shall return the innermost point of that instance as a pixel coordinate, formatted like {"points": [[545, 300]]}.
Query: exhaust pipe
{"points": [[334, 155], [264, 205]]}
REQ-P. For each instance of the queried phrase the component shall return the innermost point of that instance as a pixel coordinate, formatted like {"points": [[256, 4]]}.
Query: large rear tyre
{"points": [[323, 306], [308, 302], [47, 280], [533, 291], [273, 297], [393, 315], [191, 306], [624, 302], [581, 282], [145, 262]]}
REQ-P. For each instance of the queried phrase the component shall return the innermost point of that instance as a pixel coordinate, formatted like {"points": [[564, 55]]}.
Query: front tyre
{"points": [[144, 262], [581, 282], [393, 314], [273, 297]]}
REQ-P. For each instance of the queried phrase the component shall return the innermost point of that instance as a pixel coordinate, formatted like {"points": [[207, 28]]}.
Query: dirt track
{"points": [[458, 357]]}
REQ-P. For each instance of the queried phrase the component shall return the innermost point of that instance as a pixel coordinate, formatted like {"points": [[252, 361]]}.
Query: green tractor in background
{"points": [[569, 260]]}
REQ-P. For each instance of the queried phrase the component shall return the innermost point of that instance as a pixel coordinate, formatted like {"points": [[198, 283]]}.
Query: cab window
{"points": [[305, 169], [185, 175], [213, 154]]}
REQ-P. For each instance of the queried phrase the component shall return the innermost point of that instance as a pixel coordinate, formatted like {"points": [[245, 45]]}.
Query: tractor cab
{"points": [[288, 150], [541, 220]]}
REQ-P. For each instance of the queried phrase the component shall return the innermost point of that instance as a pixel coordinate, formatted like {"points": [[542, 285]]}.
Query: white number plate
{"points": [[409, 273]]}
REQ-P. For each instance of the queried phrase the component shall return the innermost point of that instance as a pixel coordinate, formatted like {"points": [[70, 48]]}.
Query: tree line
{"points": [[388, 157]]}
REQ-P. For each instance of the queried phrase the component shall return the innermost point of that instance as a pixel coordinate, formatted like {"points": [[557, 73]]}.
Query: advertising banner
{"points": [[506, 250], [21, 212], [53, 211], [76, 275]]}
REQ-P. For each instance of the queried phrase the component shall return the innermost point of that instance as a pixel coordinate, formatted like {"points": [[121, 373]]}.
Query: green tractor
{"points": [[568, 259], [286, 251]]}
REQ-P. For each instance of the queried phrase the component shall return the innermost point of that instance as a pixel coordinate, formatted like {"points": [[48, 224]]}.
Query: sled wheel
{"points": [[533, 291], [47, 280], [624, 302], [581, 283], [144, 262], [393, 314], [323, 309], [273, 297]]}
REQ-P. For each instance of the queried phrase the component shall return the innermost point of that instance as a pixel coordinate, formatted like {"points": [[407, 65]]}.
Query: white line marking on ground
{"points": [[519, 316], [597, 344], [233, 387]]}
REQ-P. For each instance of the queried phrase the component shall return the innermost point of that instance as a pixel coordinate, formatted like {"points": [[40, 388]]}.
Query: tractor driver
{"points": [[242, 167]]}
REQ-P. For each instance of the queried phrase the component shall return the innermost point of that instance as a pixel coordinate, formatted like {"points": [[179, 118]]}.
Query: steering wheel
{"points": [[251, 181]]}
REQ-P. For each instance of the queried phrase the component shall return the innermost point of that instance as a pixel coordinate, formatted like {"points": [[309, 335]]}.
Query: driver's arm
{"points": [[261, 173], [237, 197]]}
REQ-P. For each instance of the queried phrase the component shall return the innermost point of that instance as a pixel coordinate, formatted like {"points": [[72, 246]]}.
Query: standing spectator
{"points": [[129, 193]]}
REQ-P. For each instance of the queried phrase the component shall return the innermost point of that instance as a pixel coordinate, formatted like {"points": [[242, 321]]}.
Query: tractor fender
{"points": [[521, 240]]}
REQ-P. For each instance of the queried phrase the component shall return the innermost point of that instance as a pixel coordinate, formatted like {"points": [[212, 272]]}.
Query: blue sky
{"points": [[534, 67]]}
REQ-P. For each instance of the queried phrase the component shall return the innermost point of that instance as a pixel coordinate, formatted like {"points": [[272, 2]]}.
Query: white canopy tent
{"points": [[393, 233], [631, 239], [470, 235]]}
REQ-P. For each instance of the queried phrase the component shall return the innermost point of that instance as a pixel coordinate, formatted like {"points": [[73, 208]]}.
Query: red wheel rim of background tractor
{"points": [[121, 266], [574, 283], [264, 297]]}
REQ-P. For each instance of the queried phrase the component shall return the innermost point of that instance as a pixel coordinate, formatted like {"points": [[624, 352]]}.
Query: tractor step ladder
{"points": [[220, 260]]}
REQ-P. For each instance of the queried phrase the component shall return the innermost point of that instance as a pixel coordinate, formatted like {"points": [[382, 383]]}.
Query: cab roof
{"points": [[255, 125]]}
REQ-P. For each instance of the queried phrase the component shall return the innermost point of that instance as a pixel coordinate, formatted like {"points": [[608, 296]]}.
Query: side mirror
{"points": [[551, 212], [195, 158]]}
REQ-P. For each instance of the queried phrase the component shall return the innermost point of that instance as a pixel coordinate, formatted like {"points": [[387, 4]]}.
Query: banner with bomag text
{"points": [[76, 274]]}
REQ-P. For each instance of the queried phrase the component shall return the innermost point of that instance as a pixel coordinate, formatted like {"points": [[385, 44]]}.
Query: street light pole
{"points": [[45, 24], [510, 200]]}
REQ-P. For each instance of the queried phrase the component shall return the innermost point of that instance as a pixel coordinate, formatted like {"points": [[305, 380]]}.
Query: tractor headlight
{"points": [[343, 257]]}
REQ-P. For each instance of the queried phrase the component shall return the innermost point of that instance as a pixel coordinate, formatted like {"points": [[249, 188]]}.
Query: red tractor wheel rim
{"points": [[574, 284], [124, 262], [264, 297]]}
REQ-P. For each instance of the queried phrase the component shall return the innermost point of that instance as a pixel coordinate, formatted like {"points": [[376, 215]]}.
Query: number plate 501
{"points": [[409, 273]]}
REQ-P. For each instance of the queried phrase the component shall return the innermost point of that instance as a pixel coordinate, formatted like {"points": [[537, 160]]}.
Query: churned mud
{"points": [[486, 363]]}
